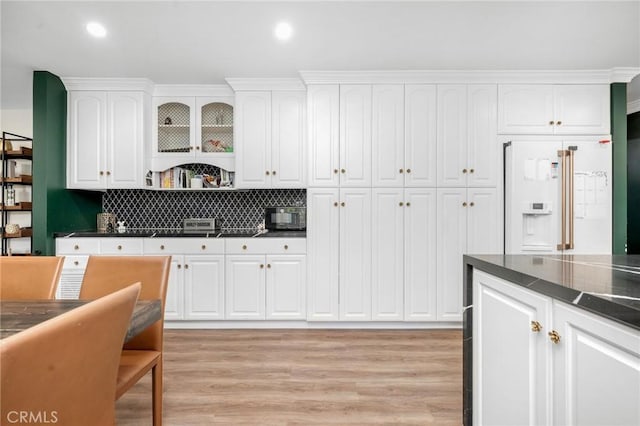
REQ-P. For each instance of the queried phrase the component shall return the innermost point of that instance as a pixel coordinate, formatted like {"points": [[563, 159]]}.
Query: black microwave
{"points": [[290, 218]]}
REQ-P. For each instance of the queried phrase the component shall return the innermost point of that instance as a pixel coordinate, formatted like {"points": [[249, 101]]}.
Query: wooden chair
{"points": [[29, 277], [64, 370], [105, 274]]}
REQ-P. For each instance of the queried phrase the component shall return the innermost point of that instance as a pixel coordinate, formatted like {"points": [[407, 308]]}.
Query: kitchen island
{"points": [[551, 339]]}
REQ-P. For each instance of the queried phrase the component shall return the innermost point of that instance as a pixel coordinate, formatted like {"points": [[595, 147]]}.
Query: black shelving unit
{"points": [[23, 150]]}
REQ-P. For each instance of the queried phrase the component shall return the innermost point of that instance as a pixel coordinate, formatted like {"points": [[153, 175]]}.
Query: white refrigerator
{"points": [[558, 195]]}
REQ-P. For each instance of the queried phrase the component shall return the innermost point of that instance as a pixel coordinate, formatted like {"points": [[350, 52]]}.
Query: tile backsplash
{"points": [[166, 209]]}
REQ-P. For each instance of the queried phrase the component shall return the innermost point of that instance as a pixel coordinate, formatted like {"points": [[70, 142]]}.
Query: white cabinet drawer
{"points": [[75, 263], [117, 246], [74, 246], [183, 246], [266, 245]]}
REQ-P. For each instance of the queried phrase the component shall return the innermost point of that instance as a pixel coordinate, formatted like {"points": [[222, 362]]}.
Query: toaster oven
{"points": [[289, 218]]}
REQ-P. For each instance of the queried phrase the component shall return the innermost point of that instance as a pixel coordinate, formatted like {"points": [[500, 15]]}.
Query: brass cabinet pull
{"points": [[464, 170], [267, 173], [335, 203], [408, 170], [203, 247], [76, 247], [342, 204], [244, 247], [554, 336], [286, 247], [335, 171], [343, 170], [401, 171], [464, 204], [119, 247], [408, 204], [401, 204], [551, 123], [261, 266], [162, 247], [536, 326], [558, 123]]}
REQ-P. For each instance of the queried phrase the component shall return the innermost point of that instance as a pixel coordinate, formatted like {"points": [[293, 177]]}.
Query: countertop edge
{"points": [[597, 305]]}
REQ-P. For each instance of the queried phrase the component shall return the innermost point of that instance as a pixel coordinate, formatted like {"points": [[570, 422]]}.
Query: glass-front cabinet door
{"points": [[175, 130], [215, 126]]}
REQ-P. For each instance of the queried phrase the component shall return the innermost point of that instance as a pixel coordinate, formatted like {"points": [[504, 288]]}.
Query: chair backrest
{"points": [[29, 277], [64, 370], [106, 274]]}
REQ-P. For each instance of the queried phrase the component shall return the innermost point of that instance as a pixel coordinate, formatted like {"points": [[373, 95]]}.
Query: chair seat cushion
{"points": [[134, 365]]}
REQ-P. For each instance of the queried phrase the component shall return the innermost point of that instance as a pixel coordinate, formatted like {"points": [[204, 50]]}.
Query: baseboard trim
{"points": [[222, 325]]}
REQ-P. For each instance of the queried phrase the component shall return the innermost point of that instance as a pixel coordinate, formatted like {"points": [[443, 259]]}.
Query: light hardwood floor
{"points": [[305, 377]]}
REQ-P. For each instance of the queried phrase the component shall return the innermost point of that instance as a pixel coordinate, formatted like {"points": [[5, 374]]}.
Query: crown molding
{"points": [[239, 84], [614, 75], [122, 84], [192, 90], [633, 106]]}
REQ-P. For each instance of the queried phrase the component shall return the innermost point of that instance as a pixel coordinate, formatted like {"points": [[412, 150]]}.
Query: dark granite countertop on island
{"points": [[607, 285], [179, 233]]}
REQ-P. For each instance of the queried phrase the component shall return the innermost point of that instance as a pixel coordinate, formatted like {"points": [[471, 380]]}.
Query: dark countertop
{"points": [[607, 285], [179, 233]]}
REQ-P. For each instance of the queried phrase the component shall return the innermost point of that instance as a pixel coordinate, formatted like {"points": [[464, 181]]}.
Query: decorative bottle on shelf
{"points": [[11, 196]]}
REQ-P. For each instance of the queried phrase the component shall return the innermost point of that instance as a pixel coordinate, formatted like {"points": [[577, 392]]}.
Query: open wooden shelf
{"points": [[23, 152], [23, 179], [24, 206], [24, 232]]}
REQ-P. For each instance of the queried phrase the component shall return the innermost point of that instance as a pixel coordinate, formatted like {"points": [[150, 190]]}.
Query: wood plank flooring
{"points": [[305, 377]]}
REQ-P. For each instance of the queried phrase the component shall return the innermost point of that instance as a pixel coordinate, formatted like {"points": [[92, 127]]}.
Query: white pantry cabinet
{"points": [[355, 135], [587, 374], [404, 254], [468, 222], [467, 144], [265, 278], [339, 234], [387, 135], [105, 139], [561, 109], [323, 106], [270, 133]]}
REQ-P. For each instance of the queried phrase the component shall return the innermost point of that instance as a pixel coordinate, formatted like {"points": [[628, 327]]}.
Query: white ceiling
{"points": [[206, 41]]}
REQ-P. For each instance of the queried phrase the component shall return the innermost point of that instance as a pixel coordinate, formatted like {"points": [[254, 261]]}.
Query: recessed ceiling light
{"points": [[96, 29], [283, 31]]}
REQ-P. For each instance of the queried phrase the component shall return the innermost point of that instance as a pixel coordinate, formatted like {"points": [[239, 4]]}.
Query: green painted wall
{"points": [[619, 135], [633, 189], [55, 209]]}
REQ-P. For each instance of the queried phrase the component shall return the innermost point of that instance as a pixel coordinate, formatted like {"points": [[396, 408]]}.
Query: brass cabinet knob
{"points": [[408, 170], [162, 247], [471, 170], [554, 336], [203, 247], [179, 266], [401, 204], [101, 173], [464, 170], [551, 123], [335, 171], [535, 326], [343, 171], [119, 247], [335, 203], [268, 265], [408, 204], [342, 204], [472, 204], [244, 247], [75, 262], [76, 247], [559, 123], [261, 266], [286, 247], [197, 148], [464, 204], [186, 266], [401, 171], [267, 173], [190, 148], [273, 172], [108, 173]]}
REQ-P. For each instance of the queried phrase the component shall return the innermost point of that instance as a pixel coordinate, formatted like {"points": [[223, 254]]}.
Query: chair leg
{"points": [[156, 380]]}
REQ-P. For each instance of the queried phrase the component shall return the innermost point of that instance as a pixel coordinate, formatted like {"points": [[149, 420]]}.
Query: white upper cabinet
{"points": [[467, 138], [388, 135], [554, 109], [270, 134], [323, 106], [105, 140], [355, 135], [174, 126], [420, 135]]}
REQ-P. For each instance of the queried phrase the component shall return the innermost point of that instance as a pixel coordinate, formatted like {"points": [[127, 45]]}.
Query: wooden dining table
{"points": [[18, 315]]}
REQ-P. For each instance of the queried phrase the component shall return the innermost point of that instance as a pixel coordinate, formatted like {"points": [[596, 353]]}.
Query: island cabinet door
{"points": [[596, 370], [511, 354], [245, 287], [204, 287]]}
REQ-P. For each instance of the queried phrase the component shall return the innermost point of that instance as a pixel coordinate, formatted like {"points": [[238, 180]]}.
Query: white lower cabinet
{"points": [[265, 286], [591, 376], [204, 287], [468, 222], [174, 302]]}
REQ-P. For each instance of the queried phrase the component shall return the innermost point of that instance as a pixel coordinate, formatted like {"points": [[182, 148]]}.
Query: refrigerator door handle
{"points": [[570, 155], [563, 199]]}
